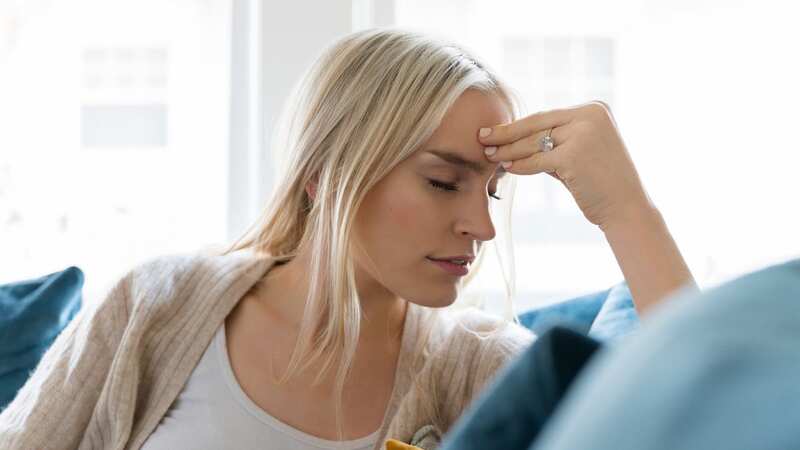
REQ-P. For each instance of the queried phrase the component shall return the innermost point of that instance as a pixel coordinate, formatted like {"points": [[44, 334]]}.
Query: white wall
{"points": [[274, 43]]}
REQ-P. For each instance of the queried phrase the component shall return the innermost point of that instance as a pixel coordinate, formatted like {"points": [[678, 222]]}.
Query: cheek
{"points": [[414, 212], [403, 216], [407, 212]]}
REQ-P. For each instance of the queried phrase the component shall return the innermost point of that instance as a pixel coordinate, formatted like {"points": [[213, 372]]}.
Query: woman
{"points": [[323, 326]]}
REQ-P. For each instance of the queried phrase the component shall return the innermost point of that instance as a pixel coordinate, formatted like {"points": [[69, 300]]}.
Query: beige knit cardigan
{"points": [[114, 371]]}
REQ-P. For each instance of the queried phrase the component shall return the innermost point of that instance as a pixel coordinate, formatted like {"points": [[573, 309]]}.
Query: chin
{"points": [[435, 301], [430, 304]]}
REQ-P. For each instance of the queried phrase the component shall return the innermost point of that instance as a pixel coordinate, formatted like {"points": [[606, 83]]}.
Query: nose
{"points": [[475, 221]]}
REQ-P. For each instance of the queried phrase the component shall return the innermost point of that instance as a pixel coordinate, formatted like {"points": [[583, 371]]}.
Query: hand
{"points": [[589, 158]]}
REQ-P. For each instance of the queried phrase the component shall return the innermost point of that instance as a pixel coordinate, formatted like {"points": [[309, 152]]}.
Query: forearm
{"points": [[648, 256]]}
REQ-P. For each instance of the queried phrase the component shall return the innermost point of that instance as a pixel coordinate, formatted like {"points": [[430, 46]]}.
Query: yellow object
{"points": [[394, 444]]}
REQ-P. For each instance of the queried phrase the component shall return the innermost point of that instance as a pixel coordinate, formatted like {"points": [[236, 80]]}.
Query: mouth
{"points": [[457, 266]]}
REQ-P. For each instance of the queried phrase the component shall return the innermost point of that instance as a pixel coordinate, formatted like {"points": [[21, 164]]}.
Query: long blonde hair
{"points": [[366, 104]]}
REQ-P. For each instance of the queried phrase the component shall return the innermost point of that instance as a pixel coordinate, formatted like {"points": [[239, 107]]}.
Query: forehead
{"points": [[470, 112], [458, 132]]}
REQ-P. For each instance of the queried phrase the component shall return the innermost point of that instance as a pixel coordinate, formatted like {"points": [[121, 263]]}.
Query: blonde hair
{"points": [[366, 104]]}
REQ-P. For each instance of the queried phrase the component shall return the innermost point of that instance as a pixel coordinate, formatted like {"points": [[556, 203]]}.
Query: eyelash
{"points": [[454, 188]]}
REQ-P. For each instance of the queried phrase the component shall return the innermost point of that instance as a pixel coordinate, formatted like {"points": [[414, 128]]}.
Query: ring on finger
{"points": [[546, 142]]}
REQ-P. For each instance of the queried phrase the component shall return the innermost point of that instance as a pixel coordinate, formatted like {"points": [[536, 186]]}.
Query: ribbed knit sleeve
{"points": [[59, 398], [472, 353], [112, 373]]}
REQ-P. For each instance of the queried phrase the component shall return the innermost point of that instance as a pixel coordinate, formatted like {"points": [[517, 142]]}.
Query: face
{"points": [[431, 206]]}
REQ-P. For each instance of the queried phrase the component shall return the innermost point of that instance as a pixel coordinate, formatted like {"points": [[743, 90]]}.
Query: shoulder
{"points": [[465, 350], [168, 274], [154, 283], [171, 268], [481, 343], [476, 347], [473, 330]]}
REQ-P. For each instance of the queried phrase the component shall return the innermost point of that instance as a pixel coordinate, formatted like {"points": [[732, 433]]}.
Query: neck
{"points": [[284, 290]]}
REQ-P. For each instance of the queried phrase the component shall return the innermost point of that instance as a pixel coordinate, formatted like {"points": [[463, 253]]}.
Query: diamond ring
{"points": [[546, 143]]}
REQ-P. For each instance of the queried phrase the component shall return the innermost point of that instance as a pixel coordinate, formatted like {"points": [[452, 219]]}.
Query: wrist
{"points": [[633, 214], [647, 254]]}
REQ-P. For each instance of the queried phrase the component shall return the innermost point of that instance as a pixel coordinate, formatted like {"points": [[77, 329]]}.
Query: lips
{"points": [[451, 267], [465, 259]]}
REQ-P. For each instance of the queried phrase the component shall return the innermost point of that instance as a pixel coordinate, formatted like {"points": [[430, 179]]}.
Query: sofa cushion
{"points": [[32, 314], [606, 315], [617, 317]]}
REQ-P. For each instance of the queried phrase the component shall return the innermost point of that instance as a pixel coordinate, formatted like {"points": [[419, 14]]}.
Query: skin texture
{"points": [[592, 161], [405, 219], [402, 220]]}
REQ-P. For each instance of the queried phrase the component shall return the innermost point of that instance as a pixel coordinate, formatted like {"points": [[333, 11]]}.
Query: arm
{"points": [[648, 256], [593, 163]]}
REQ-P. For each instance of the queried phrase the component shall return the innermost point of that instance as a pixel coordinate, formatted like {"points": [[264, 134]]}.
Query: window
{"points": [[114, 141], [689, 90], [124, 97]]}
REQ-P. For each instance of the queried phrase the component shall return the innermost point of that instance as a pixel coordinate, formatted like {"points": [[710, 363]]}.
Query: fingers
{"points": [[527, 145], [516, 144], [532, 124], [537, 163], [524, 157]]}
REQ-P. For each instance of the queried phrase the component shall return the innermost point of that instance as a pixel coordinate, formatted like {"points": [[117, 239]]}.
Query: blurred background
{"points": [[131, 129]]}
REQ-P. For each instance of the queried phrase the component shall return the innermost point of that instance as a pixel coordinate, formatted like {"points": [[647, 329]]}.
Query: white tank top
{"points": [[213, 412]]}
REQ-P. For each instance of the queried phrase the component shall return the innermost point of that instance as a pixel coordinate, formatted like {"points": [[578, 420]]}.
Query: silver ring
{"points": [[546, 143]]}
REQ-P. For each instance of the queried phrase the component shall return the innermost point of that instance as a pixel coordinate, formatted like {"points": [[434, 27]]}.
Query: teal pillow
{"points": [[578, 313], [605, 315], [617, 317], [32, 314]]}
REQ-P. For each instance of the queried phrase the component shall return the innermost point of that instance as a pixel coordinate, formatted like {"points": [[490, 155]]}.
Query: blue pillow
{"points": [[32, 314], [578, 312], [716, 369], [617, 317], [604, 315], [512, 409]]}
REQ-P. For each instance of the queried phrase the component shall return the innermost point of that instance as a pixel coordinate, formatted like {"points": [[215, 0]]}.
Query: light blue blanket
{"points": [[715, 370]]}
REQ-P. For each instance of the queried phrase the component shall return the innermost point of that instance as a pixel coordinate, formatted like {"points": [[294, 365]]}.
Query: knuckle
{"points": [[602, 104], [585, 127], [517, 149], [598, 109], [500, 151], [500, 131], [505, 152], [532, 141]]}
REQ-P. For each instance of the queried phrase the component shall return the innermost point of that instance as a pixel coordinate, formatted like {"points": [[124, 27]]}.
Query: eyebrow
{"points": [[457, 160]]}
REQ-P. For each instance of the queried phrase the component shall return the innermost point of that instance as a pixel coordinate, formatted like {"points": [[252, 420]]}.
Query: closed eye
{"points": [[454, 188]]}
